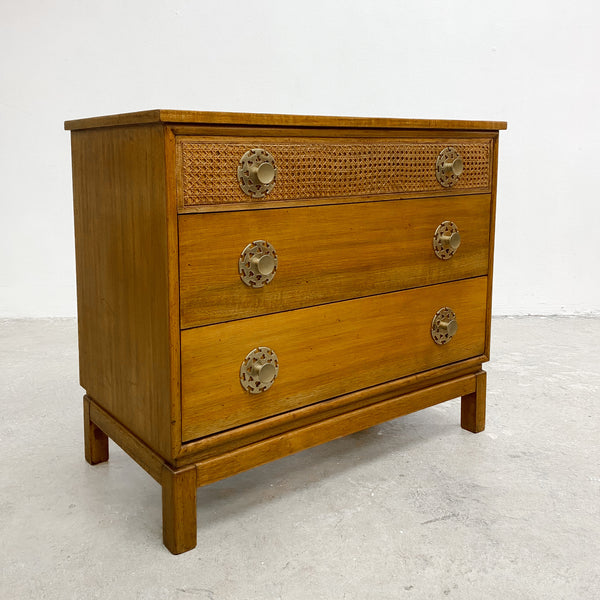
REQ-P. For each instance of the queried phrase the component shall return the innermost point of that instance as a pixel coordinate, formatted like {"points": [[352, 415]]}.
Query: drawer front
{"points": [[309, 169], [325, 254], [323, 352]]}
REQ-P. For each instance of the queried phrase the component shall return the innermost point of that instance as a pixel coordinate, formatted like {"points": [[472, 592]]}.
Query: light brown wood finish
{"points": [[212, 131], [324, 351], [265, 203], [122, 277], [472, 412], [360, 354], [226, 118], [94, 439], [488, 324], [179, 508], [377, 248], [179, 481], [225, 441], [142, 453], [173, 292], [260, 453]]}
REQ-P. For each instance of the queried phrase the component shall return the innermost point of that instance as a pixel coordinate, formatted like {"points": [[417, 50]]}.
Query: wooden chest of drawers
{"points": [[253, 285]]}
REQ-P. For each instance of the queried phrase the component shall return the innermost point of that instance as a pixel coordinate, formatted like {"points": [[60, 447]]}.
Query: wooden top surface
{"points": [[224, 118]]}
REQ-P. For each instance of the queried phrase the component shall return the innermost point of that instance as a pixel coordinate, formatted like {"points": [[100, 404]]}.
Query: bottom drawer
{"points": [[323, 351]]}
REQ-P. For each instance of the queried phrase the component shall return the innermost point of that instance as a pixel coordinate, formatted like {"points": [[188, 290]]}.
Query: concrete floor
{"points": [[415, 508]]}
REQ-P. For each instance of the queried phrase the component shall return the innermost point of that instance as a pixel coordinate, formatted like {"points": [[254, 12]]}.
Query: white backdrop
{"points": [[534, 64]]}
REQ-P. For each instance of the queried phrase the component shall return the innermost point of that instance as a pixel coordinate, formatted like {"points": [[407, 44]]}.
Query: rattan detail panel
{"points": [[307, 170]]}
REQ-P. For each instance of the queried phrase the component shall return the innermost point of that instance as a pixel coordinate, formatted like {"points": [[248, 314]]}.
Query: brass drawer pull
{"points": [[443, 326], [259, 370], [446, 240], [257, 264], [448, 167], [257, 173]]}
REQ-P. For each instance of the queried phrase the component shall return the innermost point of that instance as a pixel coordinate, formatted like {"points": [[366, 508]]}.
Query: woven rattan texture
{"points": [[308, 170]]}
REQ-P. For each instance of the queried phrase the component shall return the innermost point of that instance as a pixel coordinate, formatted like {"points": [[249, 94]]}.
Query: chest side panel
{"points": [[122, 277]]}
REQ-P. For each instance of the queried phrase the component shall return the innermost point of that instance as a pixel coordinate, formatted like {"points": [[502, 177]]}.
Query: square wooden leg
{"points": [[472, 408], [179, 508], [94, 439]]}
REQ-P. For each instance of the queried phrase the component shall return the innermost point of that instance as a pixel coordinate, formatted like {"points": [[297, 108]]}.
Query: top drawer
{"points": [[213, 172]]}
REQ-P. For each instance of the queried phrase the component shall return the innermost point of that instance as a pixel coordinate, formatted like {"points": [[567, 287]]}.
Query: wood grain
{"points": [[94, 439], [288, 443], [488, 323], [326, 254], [348, 313], [179, 508], [472, 407], [323, 351], [265, 203], [124, 308], [172, 229], [256, 431], [226, 118], [273, 131], [137, 449]]}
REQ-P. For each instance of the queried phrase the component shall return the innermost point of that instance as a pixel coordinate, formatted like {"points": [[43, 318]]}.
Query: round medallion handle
{"points": [[257, 172], [448, 167], [444, 325], [257, 264], [446, 240], [259, 370]]}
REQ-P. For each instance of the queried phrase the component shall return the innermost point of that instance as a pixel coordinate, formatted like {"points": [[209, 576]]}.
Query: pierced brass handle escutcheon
{"points": [[448, 167], [443, 326], [257, 264], [259, 370], [257, 173], [446, 240]]}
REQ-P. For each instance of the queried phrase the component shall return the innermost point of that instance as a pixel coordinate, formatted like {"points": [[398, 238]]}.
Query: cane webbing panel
{"points": [[309, 169]]}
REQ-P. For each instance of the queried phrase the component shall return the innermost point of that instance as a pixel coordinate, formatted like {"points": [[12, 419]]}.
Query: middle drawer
{"points": [[323, 253]]}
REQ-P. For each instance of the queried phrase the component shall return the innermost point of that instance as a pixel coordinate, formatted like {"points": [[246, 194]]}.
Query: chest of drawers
{"points": [[253, 285]]}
